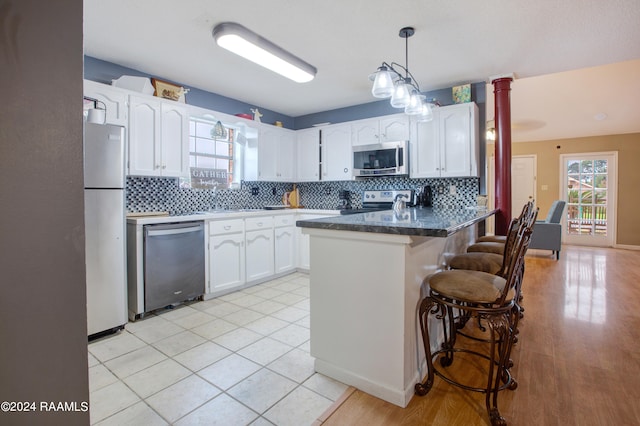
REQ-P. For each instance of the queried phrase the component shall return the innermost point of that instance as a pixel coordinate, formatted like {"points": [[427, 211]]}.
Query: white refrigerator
{"points": [[105, 233]]}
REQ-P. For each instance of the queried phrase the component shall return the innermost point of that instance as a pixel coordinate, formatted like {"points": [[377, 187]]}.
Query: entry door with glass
{"points": [[589, 183]]}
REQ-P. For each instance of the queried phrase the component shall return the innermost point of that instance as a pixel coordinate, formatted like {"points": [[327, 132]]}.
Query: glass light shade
{"points": [[219, 131], [383, 83], [415, 104], [401, 95], [425, 114]]}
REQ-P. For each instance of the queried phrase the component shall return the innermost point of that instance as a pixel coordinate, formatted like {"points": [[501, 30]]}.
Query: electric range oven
{"points": [[379, 200]]}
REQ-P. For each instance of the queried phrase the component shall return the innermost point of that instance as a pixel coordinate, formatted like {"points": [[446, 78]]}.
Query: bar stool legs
{"points": [[456, 299], [500, 330]]}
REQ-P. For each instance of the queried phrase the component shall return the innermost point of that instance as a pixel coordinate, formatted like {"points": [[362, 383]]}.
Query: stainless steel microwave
{"points": [[381, 159]]}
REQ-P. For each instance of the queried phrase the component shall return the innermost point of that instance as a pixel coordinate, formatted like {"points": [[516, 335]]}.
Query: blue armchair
{"points": [[547, 234]]}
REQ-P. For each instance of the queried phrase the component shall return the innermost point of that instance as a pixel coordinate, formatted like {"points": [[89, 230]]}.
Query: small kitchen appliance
{"points": [[426, 197], [379, 200], [344, 199], [381, 159]]}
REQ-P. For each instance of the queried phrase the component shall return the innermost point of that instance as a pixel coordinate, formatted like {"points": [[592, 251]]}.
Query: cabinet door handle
{"points": [[227, 227], [164, 166], [346, 170]]}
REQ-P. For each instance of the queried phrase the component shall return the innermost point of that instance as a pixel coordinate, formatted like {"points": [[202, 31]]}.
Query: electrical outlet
{"points": [[255, 190], [453, 190], [273, 190]]}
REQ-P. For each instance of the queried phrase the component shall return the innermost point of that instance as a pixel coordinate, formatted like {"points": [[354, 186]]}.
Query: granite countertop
{"points": [[428, 222], [163, 217]]}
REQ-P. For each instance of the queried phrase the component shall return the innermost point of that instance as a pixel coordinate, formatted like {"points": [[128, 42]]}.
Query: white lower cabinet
{"points": [[245, 251], [284, 243], [226, 255], [259, 248], [303, 260]]}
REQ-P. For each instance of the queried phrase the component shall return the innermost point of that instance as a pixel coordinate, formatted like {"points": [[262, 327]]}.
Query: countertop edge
{"points": [[150, 220], [395, 229]]}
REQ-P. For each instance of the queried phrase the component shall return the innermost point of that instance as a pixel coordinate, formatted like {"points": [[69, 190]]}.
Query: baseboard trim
{"points": [[626, 247]]}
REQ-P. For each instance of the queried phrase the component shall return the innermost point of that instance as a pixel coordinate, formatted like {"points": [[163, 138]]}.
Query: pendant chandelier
{"points": [[404, 91]]}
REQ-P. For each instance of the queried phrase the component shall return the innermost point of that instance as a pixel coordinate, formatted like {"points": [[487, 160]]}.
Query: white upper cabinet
{"points": [[174, 137], [114, 100], [158, 137], [375, 130], [447, 146], [425, 149], [144, 136], [336, 152], [308, 148], [459, 136], [276, 154]]}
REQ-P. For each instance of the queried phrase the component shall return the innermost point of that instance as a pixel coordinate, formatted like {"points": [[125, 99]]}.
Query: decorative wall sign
{"points": [[462, 94], [208, 178], [167, 90]]}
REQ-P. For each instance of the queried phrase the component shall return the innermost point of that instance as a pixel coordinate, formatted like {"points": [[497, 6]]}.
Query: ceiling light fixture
{"points": [[404, 91], [244, 42]]}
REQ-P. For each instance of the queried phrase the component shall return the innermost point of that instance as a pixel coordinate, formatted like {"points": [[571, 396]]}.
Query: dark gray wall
{"points": [[43, 346]]}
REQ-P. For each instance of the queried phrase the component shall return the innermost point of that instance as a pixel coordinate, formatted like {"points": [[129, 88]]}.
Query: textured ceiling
{"points": [[455, 42]]}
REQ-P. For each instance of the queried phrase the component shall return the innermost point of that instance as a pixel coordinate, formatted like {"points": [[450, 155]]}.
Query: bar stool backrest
{"points": [[515, 264], [526, 219]]}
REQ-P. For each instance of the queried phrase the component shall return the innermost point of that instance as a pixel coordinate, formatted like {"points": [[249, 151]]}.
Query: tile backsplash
{"points": [[145, 194]]}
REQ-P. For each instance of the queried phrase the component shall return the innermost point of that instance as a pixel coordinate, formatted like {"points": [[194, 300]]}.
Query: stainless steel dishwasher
{"points": [[173, 263]]}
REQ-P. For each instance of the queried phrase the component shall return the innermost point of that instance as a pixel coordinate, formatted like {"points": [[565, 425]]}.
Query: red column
{"points": [[502, 87]]}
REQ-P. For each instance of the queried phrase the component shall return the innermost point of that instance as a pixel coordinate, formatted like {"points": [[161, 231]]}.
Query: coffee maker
{"points": [[344, 199], [425, 199]]}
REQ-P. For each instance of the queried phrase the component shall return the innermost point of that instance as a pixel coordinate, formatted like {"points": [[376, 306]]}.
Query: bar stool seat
{"points": [[478, 261], [486, 247], [492, 239], [470, 286]]}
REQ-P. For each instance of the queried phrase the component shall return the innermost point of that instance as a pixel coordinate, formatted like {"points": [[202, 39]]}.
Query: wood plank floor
{"points": [[577, 361]]}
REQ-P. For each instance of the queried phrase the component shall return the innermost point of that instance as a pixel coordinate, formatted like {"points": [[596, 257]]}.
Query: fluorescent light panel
{"points": [[243, 42]]}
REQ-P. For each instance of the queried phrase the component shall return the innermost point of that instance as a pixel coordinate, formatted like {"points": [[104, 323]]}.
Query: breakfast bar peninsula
{"points": [[366, 275]]}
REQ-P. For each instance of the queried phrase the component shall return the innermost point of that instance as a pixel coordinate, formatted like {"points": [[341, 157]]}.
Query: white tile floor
{"points": [[239, 359]]}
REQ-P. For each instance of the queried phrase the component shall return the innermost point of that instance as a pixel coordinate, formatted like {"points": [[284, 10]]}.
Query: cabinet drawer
{"points": [[254, 223], [219, 227], [284, 220]]}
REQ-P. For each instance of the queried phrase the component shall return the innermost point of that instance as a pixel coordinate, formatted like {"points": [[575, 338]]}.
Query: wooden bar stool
{"points": [[494, 263], [489, 298]]}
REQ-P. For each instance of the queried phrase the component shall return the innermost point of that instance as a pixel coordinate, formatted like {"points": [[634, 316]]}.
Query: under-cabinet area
{"points": [[239, 250]]}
